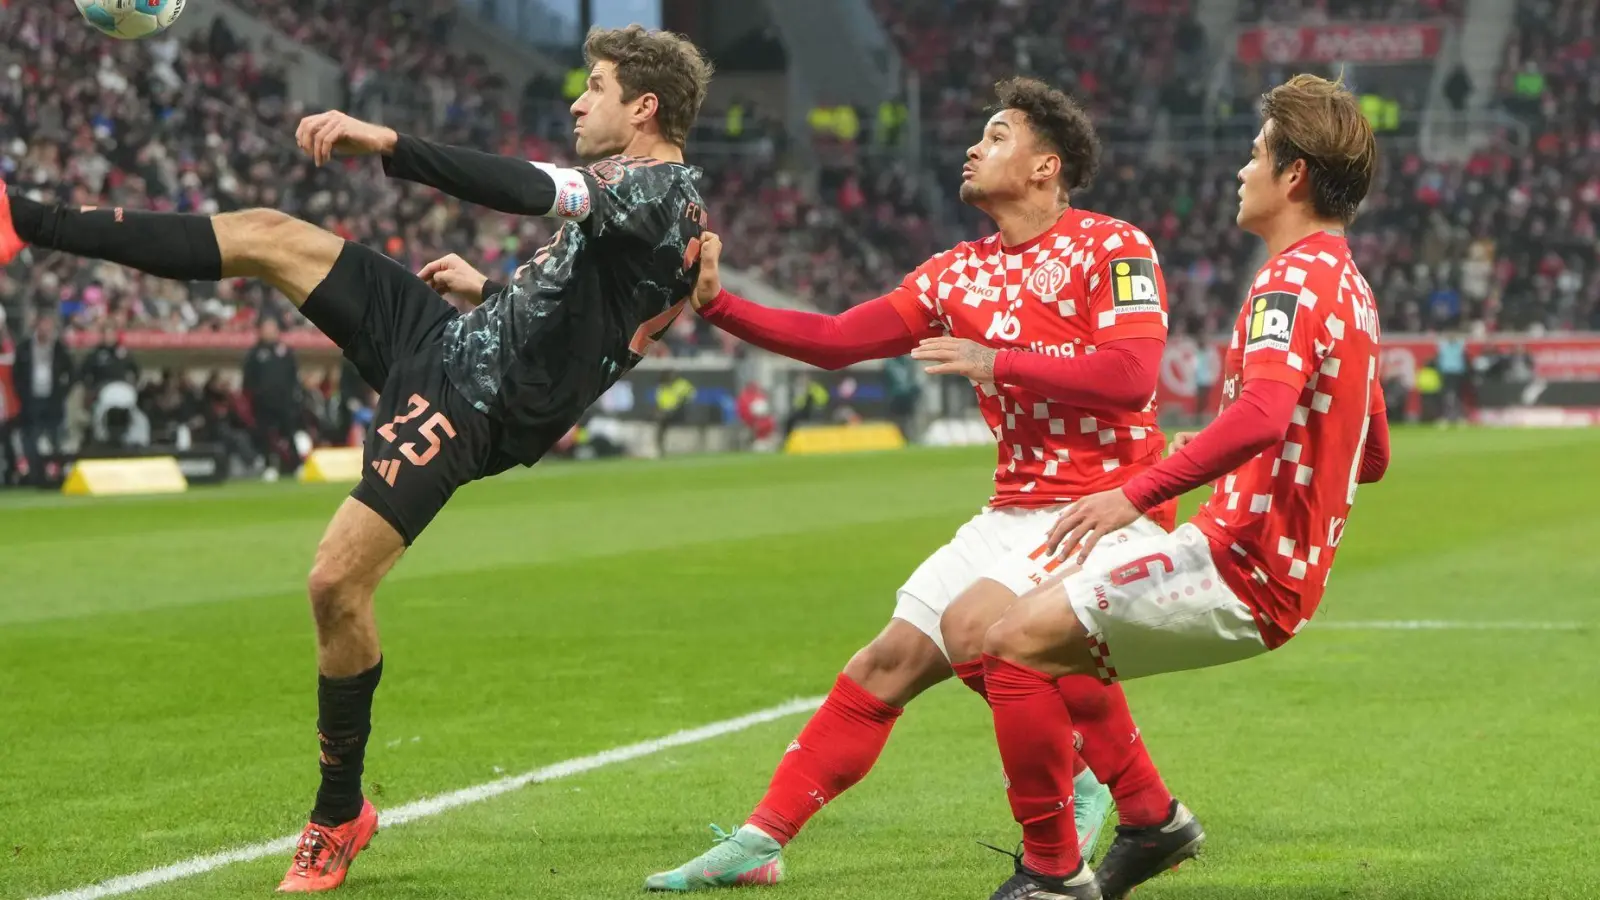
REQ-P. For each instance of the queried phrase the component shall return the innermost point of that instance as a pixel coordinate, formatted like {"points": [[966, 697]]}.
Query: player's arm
{"points": [[1128, 314], [1120, 375], [501, 183], [873, 330], [454, 277], [1280, 353], [1375, 454], [1258, 419]]}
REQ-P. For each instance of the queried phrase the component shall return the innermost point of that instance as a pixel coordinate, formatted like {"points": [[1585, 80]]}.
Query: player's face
{"points": [[999, 166], [605, 123], [1262, 194]]}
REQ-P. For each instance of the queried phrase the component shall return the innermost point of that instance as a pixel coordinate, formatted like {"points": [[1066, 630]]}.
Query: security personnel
{"points": [[673, 396]]}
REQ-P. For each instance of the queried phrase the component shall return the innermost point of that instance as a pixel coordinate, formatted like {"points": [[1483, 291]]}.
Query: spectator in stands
{"points": [[272, 387], [223, 421], [44, 377], [1451, 361], [674, 396], [810, 404], [109, 361], [171, 406]]}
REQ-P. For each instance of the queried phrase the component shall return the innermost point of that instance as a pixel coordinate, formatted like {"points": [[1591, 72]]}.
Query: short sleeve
{"points": [[1127, 292], [1377, 403]]}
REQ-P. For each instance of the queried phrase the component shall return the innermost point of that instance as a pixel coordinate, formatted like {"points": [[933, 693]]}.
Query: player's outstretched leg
{"points": [[291, 255], [359, 547], [964, 625], [834, 751], [357, 550]]}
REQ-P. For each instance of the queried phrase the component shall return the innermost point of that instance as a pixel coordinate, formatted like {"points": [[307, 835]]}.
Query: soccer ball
{"points": [[130, 19]]}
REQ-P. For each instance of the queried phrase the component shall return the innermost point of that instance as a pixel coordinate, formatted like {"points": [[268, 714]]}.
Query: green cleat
{"points": [[1091, 804], [746, 857]]}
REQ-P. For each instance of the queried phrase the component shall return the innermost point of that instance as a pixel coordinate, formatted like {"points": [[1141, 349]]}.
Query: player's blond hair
{"points": [[1320, 121], [655, 62]]}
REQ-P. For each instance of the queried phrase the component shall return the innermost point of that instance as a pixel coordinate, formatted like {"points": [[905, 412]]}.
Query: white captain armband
{"points": [[572, 202]]}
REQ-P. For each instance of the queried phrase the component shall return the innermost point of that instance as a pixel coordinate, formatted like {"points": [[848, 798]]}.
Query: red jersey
{"points": [[1275, 522], [1089, 280]]}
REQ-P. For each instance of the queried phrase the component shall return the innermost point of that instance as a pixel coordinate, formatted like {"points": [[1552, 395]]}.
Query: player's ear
{"points": [[645, 107], [1297, 178], [1048, 168]]}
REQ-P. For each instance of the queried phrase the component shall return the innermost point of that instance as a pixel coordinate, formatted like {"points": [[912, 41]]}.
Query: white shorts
{"points": [[1157, 604], [1000, 544]]}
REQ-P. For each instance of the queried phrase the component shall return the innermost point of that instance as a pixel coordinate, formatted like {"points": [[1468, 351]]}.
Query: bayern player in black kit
{"points": [[462, 396]]}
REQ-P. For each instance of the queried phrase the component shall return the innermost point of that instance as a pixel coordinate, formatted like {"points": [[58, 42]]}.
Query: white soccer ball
{"points": [[130, 19]]}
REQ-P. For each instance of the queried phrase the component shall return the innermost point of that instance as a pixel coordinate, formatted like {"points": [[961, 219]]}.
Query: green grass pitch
{"points": [[157, 694]]}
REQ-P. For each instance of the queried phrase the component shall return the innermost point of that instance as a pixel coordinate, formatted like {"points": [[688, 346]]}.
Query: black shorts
{"points": [[425, 439]]}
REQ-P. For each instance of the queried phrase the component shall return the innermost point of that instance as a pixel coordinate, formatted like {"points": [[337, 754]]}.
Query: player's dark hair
{"points": [[1320, 121], [1060, 123], [655, 62]]}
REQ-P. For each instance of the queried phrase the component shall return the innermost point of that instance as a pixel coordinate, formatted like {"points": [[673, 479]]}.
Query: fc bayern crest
{"points": [[1049, 279]]}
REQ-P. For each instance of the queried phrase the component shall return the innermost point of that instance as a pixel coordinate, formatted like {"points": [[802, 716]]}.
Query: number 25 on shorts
{"points": [[429, 429]]}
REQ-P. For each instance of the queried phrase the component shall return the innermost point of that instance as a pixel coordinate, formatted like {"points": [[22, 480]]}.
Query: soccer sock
{"points": [[836, 749], [1034, 731], [1113, 748], [971, 674], [168, 245], [344, 721]]}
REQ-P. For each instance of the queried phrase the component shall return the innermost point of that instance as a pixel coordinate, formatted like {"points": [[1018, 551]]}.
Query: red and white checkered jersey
{"points": [[1275, 522], [1089, 280]]}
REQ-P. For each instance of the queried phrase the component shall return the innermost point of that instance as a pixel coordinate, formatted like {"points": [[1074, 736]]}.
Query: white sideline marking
{"points": [[1445, 625], [433, 806]]}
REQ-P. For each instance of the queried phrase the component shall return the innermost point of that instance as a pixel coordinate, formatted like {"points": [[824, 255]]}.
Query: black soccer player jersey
{"points": [[586, 308]]}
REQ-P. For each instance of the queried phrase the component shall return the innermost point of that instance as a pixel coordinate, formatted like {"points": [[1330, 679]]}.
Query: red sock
{"points": [[1113, 748], [836, 749], [1034, 731], [971, 674]]}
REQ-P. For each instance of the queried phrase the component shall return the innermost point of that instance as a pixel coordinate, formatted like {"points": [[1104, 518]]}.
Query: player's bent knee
{"points": [[968, 619], [337, 593], [292, 254], [899, 664], [1004, 638]]}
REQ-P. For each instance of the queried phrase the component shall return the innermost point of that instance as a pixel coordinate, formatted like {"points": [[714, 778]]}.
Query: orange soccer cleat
{"points": [[323, 856]]}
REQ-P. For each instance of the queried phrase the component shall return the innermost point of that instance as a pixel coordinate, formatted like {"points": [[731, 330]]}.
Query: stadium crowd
{"points": [[1505, 238]]}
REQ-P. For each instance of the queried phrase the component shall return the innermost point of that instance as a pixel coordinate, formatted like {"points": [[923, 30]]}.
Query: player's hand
{"points": [[709, 285], [325, 134], [1088, 520], [451, 276], [1180, 440], [957, 356]]}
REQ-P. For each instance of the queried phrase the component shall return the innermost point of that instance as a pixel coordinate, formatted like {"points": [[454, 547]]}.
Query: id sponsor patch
{"points": [[1133, 286], [1271, 320]]}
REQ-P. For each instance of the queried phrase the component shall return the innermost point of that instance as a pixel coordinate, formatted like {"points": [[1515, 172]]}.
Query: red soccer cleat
{"points": [[323, 856], [10, 243]]}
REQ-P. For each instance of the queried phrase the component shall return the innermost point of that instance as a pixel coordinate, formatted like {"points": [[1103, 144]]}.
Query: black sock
{"points": [[168, 245], [344, 720]]}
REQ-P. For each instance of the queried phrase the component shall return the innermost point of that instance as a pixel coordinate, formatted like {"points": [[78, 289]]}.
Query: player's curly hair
{"points": [[655, 62], [1059, 122], [1320, 121]]}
